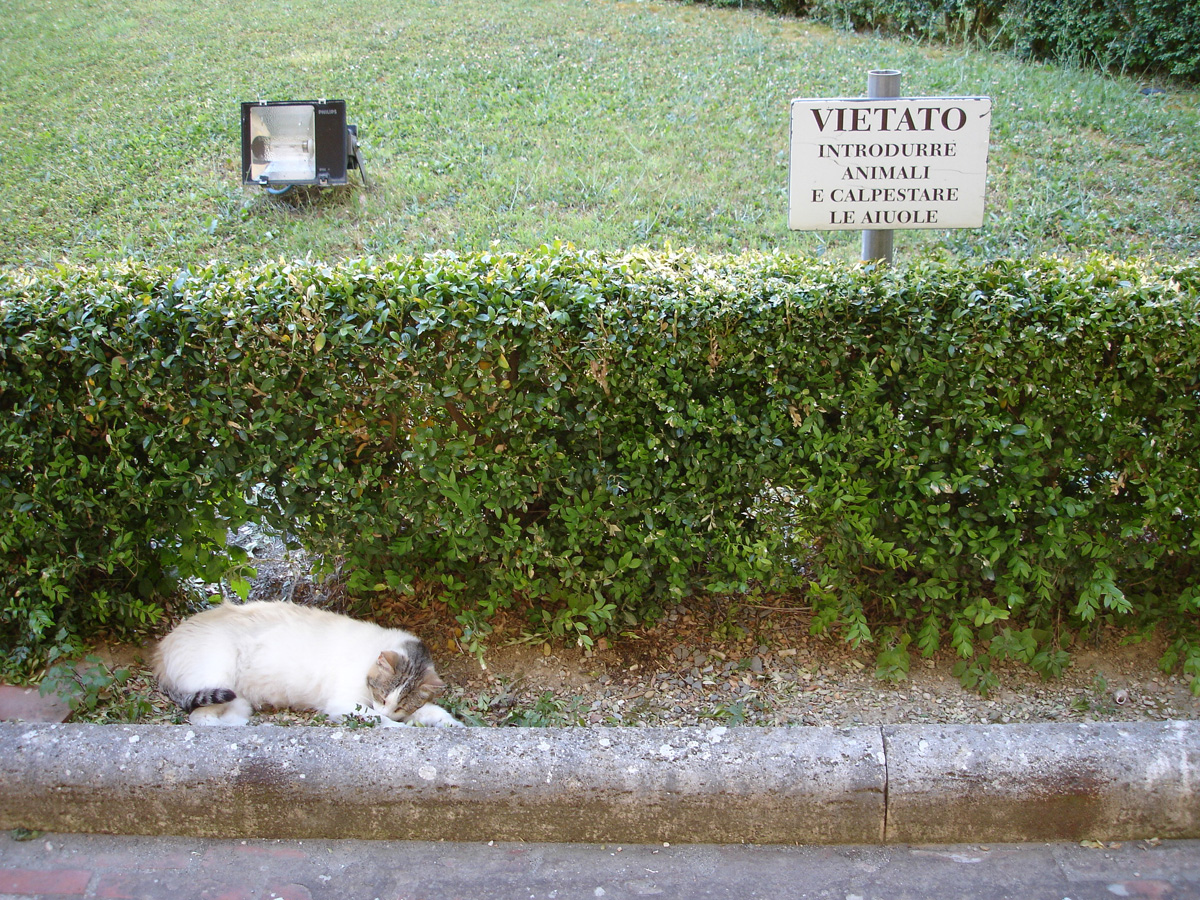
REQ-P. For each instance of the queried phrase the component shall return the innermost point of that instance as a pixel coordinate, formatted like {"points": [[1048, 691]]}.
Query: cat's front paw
{"points": [[430, 714]]}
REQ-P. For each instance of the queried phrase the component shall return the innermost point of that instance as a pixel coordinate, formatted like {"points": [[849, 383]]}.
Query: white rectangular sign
{"points": [[888, 164]]}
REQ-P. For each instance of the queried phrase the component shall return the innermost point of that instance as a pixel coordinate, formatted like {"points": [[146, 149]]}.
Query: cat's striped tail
{"points": [[206, 697]]}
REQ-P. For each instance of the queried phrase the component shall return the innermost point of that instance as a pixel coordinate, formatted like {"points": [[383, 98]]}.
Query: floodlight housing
{"points": [[298, 142]]}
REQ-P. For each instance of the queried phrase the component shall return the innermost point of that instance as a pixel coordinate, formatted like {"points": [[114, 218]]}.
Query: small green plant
{"points": [[475, 632], [470, 710], [547, 711], [96, 692], [355, 721], [977, 675], [727, 627], [742, 711], [892, 664], [577, 617], [1184, 654]]}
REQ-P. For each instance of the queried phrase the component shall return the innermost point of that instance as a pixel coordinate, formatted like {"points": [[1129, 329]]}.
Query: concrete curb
{"points": [[867, 785]]}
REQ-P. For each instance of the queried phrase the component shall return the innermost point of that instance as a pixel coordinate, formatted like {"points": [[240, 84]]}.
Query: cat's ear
{"points": [[388, 663], [431, 685]]}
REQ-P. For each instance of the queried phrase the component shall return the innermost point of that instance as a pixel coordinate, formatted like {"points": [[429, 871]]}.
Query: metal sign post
{"points": [[877, 244]]}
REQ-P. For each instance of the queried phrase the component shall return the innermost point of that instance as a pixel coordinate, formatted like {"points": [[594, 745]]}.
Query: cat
{"points": [[222, 664]]}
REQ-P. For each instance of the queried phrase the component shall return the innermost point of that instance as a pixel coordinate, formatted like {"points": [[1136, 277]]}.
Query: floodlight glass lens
{"points": [[283, 144]]}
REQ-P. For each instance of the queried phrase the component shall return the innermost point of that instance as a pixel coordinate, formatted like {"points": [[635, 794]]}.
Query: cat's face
{"points": [[400, 684]]}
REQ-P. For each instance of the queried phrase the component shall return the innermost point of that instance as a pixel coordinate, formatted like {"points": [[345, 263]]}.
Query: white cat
{"points": [[222, 664]]}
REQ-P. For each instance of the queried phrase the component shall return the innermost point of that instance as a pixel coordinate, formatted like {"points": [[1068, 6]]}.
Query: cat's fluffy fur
{"points": [[222, 664]]}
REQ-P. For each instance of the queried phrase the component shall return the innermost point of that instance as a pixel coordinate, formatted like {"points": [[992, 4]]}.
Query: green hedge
{"points": [[984, 458], [1118, 35], [1155, 36]]}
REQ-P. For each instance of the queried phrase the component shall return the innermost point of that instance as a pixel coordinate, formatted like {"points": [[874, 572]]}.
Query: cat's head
{"points": [[401, 683]]}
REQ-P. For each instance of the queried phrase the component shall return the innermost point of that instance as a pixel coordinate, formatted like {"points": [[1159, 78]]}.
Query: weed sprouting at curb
{"points": [[95, 691]]}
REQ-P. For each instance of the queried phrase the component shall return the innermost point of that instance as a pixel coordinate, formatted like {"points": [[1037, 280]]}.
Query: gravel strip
{"points": [[708, 661]]}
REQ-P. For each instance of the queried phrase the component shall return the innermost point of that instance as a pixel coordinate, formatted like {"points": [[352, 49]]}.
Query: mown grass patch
{"points": [[506, 124]]}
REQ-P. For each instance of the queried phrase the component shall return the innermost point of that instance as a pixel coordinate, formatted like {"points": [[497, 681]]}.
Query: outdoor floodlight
{"points": [[298, 142]]}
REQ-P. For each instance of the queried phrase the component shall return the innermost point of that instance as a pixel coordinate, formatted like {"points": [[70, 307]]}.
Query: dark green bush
{"points": [[981, 458], [1140, 36], [1153, 36], [940, 20], [1001, 450], [782, 7]]}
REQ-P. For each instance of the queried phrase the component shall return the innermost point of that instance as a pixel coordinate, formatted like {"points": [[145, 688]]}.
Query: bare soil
{"points": [[761, 666], [708, 661]]}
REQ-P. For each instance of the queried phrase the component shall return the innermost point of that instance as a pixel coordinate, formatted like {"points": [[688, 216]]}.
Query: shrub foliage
{"points": [[981, 457], [1157, 36]]}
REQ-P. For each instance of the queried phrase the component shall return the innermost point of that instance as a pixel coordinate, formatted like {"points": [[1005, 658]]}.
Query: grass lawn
{"points": [[511, 124]]}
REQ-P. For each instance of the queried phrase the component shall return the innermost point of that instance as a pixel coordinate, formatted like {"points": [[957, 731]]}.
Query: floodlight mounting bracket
{"points": [[354, 158]]}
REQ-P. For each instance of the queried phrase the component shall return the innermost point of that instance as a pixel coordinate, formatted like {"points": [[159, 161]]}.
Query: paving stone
{"points": [[128, 886], [59, 882], [25, 704], [404, 870]]}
